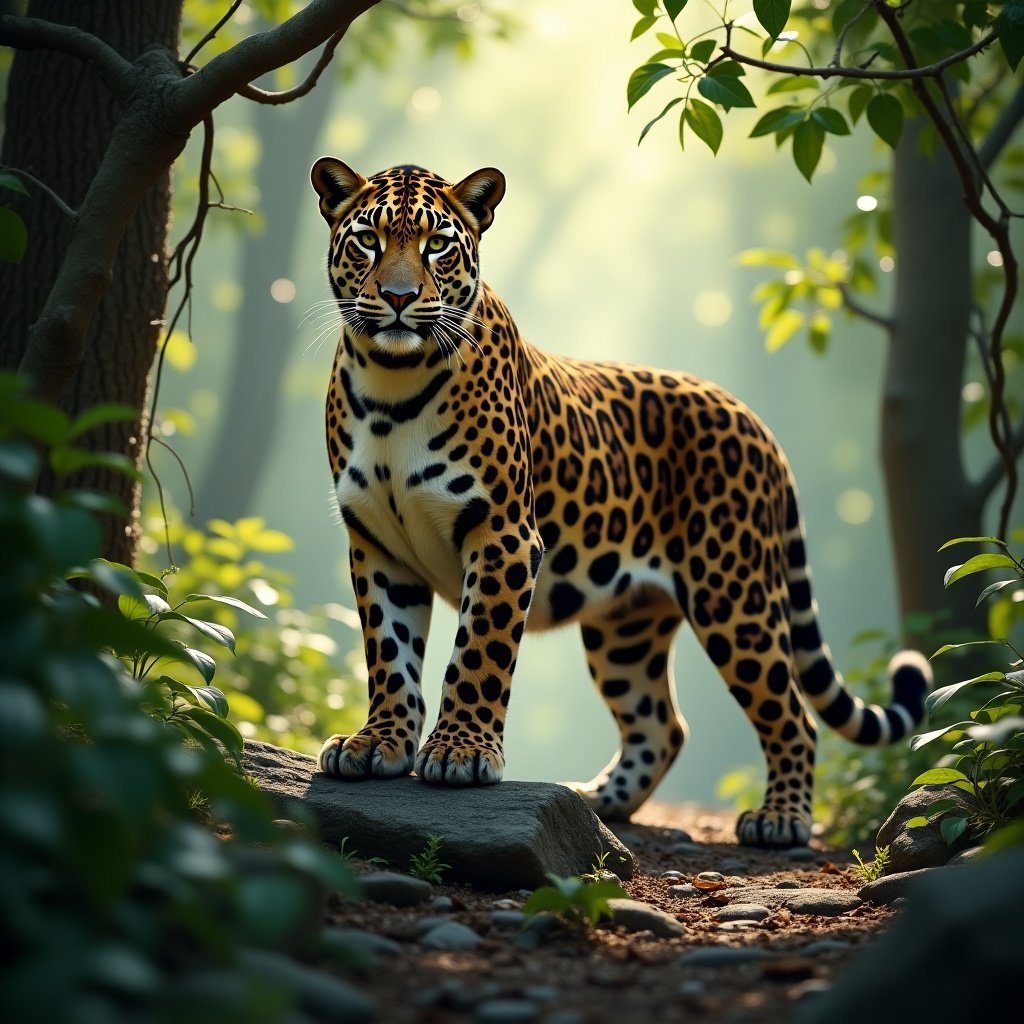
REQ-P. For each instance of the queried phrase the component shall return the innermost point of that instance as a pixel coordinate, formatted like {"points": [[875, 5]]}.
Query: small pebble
{"points": [[681, 892], [641, 917], [711, 876], [391, 887], [801, 853], [692, 988], [678, 835], [722, 956], [808, 989], [505, 1011], [442, 903], [671, 874], [737, 926], [628, 838], [686, 849], [790, 883], [526, 893], [735, 867], [359, 941], [426, 924], [826, 946], [742, 912], [450, 935], [541, 993], [506, 904]]}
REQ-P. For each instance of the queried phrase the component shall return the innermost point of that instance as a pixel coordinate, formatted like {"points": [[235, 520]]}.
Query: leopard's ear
{"points": [[480, 193], [336, 183]]}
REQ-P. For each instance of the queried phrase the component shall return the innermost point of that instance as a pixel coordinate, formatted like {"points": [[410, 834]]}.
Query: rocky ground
{"points": [[760, 933]]}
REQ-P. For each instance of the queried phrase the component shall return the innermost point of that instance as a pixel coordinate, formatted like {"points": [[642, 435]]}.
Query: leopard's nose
{"points": [[398, 298]]}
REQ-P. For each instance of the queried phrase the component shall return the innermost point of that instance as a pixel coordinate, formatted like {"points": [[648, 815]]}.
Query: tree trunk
{"points": [[930, 498], [60, 118]]}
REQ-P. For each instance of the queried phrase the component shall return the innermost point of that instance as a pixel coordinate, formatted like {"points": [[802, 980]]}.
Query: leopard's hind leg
{"points": [[629, 654]]}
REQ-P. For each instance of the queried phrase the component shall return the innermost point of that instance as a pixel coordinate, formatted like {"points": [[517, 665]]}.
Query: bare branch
{"points": [[996, 472], [35, 33], [837, 55], [1006, 124], [233, 70], [855, 307], [224, 19], [251, 92], [896, 74], [68, 211]]}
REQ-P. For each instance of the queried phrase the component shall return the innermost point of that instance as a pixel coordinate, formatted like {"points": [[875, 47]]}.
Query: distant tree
{"points": [[935, 80], [99, 107]]}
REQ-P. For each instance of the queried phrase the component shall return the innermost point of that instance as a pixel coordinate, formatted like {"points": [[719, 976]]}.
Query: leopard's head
{"points": [[403, 260]]}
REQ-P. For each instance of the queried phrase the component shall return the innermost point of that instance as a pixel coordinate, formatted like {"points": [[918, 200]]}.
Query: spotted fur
{"points": [[463, 456]]}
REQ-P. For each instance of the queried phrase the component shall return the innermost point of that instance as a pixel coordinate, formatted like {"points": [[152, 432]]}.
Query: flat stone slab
{"points": [[825, 902], [893, 887], [641, 917], [496, 838]]}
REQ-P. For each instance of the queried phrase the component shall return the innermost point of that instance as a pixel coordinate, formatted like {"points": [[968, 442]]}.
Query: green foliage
{"points": [[987, 759], [119, 905], [428, 864], [872, 870], [284, 684], [577, 901], [13, 233]]}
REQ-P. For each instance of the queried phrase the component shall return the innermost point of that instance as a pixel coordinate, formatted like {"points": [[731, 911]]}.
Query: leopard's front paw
{"points": [[368, 754], [447, 760], [766, 827]]}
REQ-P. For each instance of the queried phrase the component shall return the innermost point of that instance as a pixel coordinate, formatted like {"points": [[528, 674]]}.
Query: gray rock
{"points": [[711, 876], [686, 849], [450, 935], [892, 887], [821, 946], [358, 941], [322, 996], [494, 837], [801, 854], [505, 1011], [641, 917], [965, 856], [391, 887], [967, 936], [628, 838], [807, 900], [507, 920], [426, 924], [737, 926], [671, 874], [722, 956], [691, 989], [683, 892], [442, 903], [743, 912], [506, 904], [790, 883], [542, 993], [678, 835], [735, 867], [914, 848]]}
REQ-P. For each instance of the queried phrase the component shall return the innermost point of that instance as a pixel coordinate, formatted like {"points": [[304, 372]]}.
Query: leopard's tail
{"points": [[910, 675]]}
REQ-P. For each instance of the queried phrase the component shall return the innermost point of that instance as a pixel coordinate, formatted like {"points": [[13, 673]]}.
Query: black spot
{"points": [[602, 570], [515, 576], [566, 600], [473, 513], [615, 687], [719, 649], [564, 560], [499, 653], [460, 484]]}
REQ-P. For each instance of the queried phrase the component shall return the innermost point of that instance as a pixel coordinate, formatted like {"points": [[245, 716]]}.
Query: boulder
{"points": [[496, 838], [913, 848]]}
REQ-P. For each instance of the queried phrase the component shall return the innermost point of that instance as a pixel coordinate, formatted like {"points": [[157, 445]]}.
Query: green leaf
{"points": [[646, 7], [781, 117], [705, 123], [796, 84], [106, 412], [673, 7], [13, 236], [808, 139], [219, 728], [919, 822], [768, 258], [65, 460], [725, 89], [13, 183], [213, 698], [205, 665], [94, 501], [654, 120], [231, 602], [926, 737], [642, 26], [857, 101], [993, 588], [772, 14], [1010, 26], [641, 81], [831, 120], [997, 732], [545, 898], [999, 642], [701, 50], [214, 630], [979, 563], [885, 115], [784, 326], [19, 461], [937, 698], [940, 776], [940, 807], [1014, 795], [952, 829], [973, 540]]}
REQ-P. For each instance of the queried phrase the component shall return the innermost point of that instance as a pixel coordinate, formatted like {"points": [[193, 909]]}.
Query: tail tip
{"points": [[910, 674]]}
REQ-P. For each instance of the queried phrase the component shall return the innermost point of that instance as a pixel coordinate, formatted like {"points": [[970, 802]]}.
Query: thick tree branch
{"points": [[896, 74], [234, 70], [251, 92], [34, 34], [45, 189], [1000, 133]]}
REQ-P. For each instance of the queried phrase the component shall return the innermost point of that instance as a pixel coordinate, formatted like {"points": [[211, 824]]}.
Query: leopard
{"points": [[532, 490]]}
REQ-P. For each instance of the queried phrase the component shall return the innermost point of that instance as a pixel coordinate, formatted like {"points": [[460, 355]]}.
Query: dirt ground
{"points": [[614, 976]]}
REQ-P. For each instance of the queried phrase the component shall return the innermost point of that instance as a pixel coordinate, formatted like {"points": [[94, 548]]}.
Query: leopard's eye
{"points": [[368, 239], [437, 243]]}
